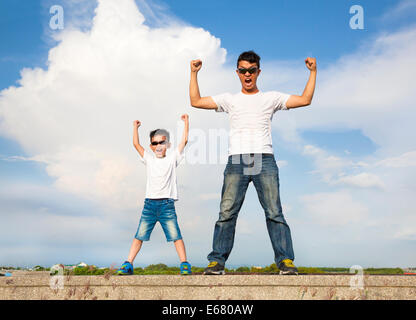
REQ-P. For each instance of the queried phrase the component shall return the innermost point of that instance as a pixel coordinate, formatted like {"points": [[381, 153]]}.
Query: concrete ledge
{"points": [[39, 285]]}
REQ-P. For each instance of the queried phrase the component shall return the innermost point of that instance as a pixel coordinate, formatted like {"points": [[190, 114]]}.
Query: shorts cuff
{"points": [[175, 239], [142, 239]]}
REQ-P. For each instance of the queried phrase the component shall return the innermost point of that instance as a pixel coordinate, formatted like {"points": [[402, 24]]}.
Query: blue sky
{"points": [[344, 148]]}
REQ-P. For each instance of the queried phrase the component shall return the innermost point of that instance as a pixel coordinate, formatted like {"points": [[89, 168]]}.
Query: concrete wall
{"points": [[39, 285]]}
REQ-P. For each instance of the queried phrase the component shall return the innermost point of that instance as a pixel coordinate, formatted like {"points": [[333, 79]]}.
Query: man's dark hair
{"points": [[159, 132], [249, 56]]}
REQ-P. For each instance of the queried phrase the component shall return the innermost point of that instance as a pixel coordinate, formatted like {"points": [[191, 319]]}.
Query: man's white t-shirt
{"points": [[161, 174], [250, 119]]}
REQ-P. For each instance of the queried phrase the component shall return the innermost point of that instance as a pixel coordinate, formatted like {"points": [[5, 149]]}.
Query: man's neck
{"points": [[252, 91]]}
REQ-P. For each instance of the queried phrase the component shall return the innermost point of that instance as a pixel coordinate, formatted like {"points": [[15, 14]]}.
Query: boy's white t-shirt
{"points": [[250, 119], [161, 174]]}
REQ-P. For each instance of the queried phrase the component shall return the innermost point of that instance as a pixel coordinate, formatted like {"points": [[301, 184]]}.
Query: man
{"points": [[251, 157]]}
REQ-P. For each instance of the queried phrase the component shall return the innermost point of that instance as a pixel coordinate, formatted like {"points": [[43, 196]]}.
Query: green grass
{"points": [[161, 268], [338, 270], [383, 271]]}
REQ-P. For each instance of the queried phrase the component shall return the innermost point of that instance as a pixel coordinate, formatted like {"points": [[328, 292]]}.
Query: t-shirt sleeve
{"points": [[279, 100], [179, 156], [145, 157], [223, 102]]}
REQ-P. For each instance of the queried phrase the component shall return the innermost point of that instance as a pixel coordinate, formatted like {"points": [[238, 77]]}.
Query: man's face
{"points": [[159, 145], [248, 80]]}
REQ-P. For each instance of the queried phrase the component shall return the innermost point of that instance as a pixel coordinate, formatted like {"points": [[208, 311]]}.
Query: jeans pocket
{"points": [[148, 212]]}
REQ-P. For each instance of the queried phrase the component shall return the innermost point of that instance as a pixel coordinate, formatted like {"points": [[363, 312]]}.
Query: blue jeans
{"points": [[162, 210], [263, 171]]}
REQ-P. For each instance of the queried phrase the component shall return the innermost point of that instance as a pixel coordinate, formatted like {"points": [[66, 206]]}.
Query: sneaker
{"points": [[214, 267], [286, 266], [125, 269], [186, 268]]}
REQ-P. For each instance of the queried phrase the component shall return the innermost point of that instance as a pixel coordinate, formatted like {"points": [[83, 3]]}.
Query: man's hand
{"points": [[310, 63], [136, 123], [185, 118], [194, 94], [305, 99], [196, 65]]}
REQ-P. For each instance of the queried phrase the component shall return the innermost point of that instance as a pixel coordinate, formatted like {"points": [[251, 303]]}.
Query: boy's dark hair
{"points": [[159, 132], [249, 56]]}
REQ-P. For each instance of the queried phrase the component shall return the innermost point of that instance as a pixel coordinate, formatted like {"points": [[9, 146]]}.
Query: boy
{"points": [[251, 157], [161, 192]]}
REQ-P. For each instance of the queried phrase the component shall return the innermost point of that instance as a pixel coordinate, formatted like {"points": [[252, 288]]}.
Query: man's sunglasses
{"points": [[244, 70], [155, 143]]}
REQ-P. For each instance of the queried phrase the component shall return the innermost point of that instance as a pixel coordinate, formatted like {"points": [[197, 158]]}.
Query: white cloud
{"points": [[332, 169], [282, 163], [406, 233], [210, 196], [361, 180], [407, 159], [75, 117], [324, 161], [334, 208], [370, 90], [404, 7]]}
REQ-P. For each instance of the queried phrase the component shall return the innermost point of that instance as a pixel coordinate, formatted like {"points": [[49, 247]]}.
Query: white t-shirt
{"points": [[250, 119], [161, 174]]}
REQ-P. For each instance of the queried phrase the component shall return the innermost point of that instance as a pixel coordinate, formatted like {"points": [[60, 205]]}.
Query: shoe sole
{"points": [[222, 272], [288, 272], [124, 274]]}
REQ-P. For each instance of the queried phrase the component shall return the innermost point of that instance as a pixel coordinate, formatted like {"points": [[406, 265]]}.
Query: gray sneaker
{"points": [[214, 267], [287, 267]]}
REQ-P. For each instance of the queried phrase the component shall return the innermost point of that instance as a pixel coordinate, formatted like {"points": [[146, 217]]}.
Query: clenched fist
{"points": [[136, 123], [185, 118], [310, 63], [196, 65]]}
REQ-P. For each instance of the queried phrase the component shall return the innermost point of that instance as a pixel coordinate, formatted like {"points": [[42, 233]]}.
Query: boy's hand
{"points": [[185, 118], [196, 65], [136, 123], [310, 63]]}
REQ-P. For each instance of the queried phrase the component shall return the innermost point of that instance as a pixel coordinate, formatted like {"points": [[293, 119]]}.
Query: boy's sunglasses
{"points": [[155, 143], [244, 70]]}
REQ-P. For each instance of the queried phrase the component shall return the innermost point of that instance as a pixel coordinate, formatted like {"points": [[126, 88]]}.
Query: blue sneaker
{"points": [[186, 268], [125, 269]]}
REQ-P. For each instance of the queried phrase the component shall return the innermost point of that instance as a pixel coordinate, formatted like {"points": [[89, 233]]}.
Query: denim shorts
{"points": [[162, 210]]}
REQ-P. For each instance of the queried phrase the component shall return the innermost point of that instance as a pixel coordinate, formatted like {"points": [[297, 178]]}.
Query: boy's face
{"points": [[248, 80], [159, 145]]}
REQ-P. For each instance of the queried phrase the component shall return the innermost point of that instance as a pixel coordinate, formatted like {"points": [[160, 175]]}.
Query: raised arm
{"points": [[184, 141], [136, 143], [196, 100], [306, 98]]}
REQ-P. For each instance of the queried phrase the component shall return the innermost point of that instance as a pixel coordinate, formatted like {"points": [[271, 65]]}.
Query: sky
{"points": [[71, 183]]}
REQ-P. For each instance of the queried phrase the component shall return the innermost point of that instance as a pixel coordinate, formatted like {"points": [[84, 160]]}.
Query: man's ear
{"points": [[169, 144], [258, 72]]}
